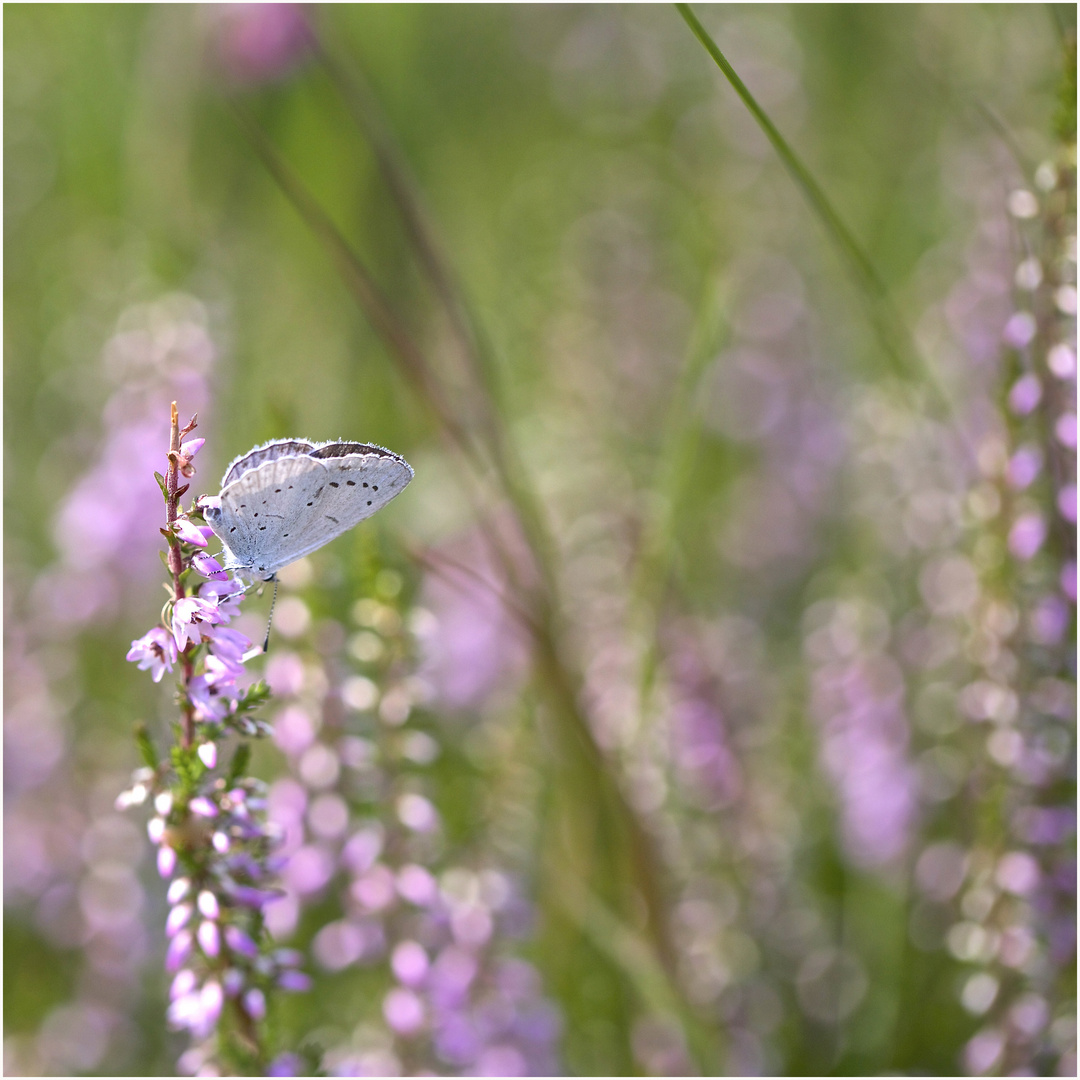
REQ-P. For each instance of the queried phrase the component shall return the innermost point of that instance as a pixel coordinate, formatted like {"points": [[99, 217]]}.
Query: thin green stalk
{"points": [[891, 331], [678, 450], [560, 680]]}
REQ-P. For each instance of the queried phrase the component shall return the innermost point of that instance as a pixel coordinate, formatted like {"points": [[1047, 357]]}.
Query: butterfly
{"points": [[287, 498]]}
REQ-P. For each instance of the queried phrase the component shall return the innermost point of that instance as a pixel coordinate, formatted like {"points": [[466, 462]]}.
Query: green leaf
{"points": [[146, 746], [239, 764]]}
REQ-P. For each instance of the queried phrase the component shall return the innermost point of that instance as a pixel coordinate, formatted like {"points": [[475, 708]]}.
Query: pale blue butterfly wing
{"points": [[284, 500]]}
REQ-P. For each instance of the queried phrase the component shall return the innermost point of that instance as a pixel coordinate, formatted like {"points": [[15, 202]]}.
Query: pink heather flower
{"points": [[1062, 361], [251, 897], [179, 950], [255, 1003], [240, 943], [410, 963], [287, 1064], [1027, 535], [1020, 329], [191, 447], [1065, 430], [417, 885], [190, 613], [295, 982], [1068, 580], [210, 1001], [183, 984], [219, 672], [166, 861], [1066, 502], [208, 754], [208, 566], [203, 807], [224, 596], [178, 890], [208, 905], [229, 643], [191, 533], [404, 1011], [1025, 466], [209, 938], [1025, 394], [178, 919], [155, 650], [260, 42], [417, 813], [212, 702]]}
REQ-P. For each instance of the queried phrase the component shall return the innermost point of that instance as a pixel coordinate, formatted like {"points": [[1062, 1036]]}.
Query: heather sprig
{"points": [[214, 842]]}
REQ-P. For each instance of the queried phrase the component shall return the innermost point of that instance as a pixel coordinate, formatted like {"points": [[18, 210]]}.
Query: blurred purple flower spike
{"points": [[259, 43]]}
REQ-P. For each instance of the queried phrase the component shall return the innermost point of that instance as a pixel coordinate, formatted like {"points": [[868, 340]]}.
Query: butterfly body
{"points": [[287, 498]]}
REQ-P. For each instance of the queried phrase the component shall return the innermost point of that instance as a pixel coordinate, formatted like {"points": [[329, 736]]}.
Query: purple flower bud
{"points": [[208, 905], [285, 1065], [209, 938], [1020, 329], [211, 1000], [1062, 361], [1068, 580], [228, 643], [208, 566], [183, 984], [288, 957], [190, 448], [1018, 873], [1065, 430], [249, 896], [179, 950], [177, 919], [203, 807], [295, 982], [155, 829], [220, 842], [1049, 620], [240, 943], [166, 861], [221, 672], [417, 885], [208, 752], [409, 963], [1024, 467], [260, 42], [1066, 502], [403, 1011], [1027, 535], [417, 813], [189, 532], [232, 981], [255, 1003], [1025, 394], [183, 1010], [178, 890]]}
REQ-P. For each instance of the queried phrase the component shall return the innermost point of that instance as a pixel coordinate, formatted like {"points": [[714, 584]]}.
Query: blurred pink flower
{"points": [[257, 43]]}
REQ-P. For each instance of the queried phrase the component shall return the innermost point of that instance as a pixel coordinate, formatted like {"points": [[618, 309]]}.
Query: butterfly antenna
{"points": [[270, 618]]}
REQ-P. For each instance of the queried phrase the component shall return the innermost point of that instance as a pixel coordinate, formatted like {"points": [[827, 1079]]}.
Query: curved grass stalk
{"points": [[904, 356]]}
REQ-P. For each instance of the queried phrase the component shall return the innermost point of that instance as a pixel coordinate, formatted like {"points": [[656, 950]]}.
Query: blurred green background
{"points": [[689, 381]]}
